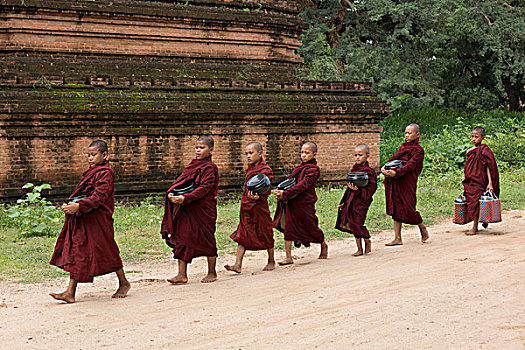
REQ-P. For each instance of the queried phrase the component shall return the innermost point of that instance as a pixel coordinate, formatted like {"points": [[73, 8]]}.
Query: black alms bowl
{"points": [[259, 184], [394, 164], [359, 179], [286, 184], [184, 188], [76, 199]]}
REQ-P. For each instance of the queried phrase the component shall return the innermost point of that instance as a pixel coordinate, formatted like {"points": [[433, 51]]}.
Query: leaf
{"points": [[28, 185]]}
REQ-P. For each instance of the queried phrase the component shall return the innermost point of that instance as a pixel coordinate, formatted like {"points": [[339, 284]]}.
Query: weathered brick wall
{"points": [[149, 77], [151, 130]]}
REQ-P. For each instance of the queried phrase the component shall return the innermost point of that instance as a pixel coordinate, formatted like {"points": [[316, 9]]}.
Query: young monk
{"points": [[356, 201], [255, 230], [401, 186], [295, 217], [188, 225], [481, 174], [86, 246]]}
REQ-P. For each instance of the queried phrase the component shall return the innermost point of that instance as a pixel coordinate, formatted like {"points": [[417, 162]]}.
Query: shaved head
{"points": [[363, 147], [256, 145], [480, 130], [208, 140], [311, 145], [416, 127], [100, 145]]}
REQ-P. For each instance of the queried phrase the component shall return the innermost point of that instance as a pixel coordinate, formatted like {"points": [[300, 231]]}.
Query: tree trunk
{"points": [[513, 92]]}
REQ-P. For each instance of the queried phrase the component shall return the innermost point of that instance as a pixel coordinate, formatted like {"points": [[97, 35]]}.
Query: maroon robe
{"points": [[400, 190], [476, 179], [255, 230], [300, 221], [352, 214], [191, 231], [86, 246]]}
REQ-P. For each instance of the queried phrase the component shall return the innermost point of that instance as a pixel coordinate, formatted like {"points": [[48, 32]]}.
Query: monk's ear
{"points": [[211, 149], [105, 155]]}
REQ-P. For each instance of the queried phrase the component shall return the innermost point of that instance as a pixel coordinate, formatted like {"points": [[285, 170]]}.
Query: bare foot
{"points": [[358, 253], [234, 268], [324, 251], [179, 279], [472, 232], [270, 266], [368, 246], [122, 290], [64, 296], [424, 235], [393, 243], [287, 261], [209, 278]]}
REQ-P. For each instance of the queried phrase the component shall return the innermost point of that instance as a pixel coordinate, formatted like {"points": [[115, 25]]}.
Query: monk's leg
{"points": [[69, 295], [397, 235], [474, 230], [368, 246], [324, 251], [288, 249], [424, 233], [182, 276], [212, 273], [271, 260], [237, 267], [123, 285], [359, 251]]}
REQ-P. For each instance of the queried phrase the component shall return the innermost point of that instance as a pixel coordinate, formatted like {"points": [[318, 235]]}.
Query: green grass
{"points": [[25, 259]]}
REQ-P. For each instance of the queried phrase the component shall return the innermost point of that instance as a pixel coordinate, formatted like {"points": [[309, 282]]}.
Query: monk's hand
{"points": [[178, 200], [383, 171], [71, 208], [253, 195], [63, 207], [171, 197], [278, 194], [390, 173], [490, 187], [352, 186]]}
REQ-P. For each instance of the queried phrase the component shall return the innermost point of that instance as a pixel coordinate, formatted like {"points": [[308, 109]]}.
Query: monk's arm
{"points": [[414, 161], [367, 192], [208, 181], [103, 183], [489, 186], [309, 180]]}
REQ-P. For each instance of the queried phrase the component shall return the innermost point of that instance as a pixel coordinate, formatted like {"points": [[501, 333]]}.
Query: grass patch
{"points": [[26, 259]]}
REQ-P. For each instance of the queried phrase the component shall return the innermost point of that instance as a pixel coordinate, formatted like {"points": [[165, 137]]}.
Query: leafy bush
{"points": [[445, 136], [34, 215]]}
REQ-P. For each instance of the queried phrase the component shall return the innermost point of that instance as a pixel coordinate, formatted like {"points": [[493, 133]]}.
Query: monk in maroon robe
{"points": [[354, 205], [86, 246], [188, 225], [295, 212], [481, 174], [255, 230], [401, 186]]}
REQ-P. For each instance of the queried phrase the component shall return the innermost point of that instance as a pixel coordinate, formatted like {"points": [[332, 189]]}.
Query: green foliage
{"points": [[442, 53], [445, 136], [34, 215]]}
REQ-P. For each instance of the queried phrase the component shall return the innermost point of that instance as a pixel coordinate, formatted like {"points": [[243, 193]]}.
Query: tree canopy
{"points": [[443, 53]]}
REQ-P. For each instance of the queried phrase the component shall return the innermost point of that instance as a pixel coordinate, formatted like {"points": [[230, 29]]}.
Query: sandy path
{"points": [[456, 292]]}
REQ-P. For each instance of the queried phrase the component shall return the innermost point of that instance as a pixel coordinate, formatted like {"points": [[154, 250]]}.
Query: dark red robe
{"points": [[86, 246], [191, 231], [400, 190], [352, 214], [476, 179], [255, 230], [298, 214]]}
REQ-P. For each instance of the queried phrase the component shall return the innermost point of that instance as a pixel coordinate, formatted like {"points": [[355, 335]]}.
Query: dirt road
{"points": [[456, 292]]}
